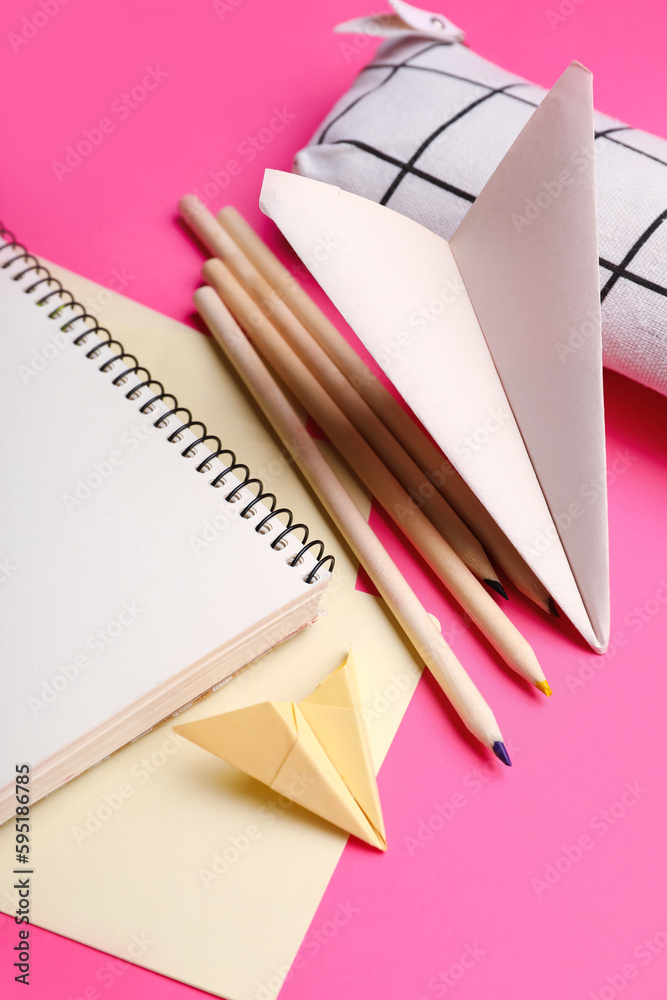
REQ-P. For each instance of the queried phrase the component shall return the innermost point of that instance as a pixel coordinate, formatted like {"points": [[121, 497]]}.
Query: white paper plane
{"points": [[493, 339]]}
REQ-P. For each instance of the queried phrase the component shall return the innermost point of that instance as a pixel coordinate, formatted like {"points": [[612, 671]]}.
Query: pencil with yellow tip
{"points": [[361, 458]]}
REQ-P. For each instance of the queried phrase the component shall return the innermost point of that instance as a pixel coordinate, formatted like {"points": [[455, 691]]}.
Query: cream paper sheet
{"points": [[166, 844]]}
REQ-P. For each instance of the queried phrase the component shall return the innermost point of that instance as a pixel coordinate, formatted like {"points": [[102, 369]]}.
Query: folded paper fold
{"points": [[493, 339], [315, 753]]}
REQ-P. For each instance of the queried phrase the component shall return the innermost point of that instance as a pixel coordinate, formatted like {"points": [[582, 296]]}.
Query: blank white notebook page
{"points": [[121, 564]]}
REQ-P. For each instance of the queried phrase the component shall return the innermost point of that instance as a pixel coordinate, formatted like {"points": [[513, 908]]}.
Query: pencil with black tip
{"points": [[398, 595]]}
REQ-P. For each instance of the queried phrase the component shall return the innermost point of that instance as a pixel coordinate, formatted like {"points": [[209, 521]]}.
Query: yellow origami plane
{"points": [[315, 753]]}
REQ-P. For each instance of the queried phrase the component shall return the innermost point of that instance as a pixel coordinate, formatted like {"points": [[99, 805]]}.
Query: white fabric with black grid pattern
{"points": [[424, 126]]}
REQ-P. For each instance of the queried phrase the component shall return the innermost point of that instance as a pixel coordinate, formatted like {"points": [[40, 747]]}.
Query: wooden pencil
{"points": [[398, 595], [361, 458], [353, 405], [426, 454]]}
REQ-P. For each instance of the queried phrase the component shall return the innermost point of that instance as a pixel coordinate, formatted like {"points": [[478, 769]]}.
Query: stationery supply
{"points": [[146, 564], [315, 753], [224, 875], [428, 120], [377, 478], [254, 260], [156, 555], [470, 333], [399, 597]]}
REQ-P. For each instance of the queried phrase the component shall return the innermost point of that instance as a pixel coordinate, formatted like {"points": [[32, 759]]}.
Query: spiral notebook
{"points": [[142, 563]]}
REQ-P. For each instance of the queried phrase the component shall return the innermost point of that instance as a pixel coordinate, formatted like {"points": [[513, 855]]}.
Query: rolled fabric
{"points": [[426, 123]]}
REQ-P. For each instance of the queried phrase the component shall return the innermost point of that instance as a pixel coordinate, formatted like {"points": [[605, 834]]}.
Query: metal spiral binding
{"points": [[55, 288]]}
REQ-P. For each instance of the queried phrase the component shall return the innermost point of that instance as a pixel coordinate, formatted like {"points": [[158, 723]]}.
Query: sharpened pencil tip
{"points": [[498, 587], [544, 688], [501, 753], [553, 610]]}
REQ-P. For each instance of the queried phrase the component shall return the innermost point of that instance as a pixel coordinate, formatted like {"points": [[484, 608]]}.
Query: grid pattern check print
{"points": [[425, 125]]}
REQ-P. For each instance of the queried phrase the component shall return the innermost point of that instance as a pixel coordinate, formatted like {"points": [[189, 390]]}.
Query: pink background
{"points": [[467, 883]]}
